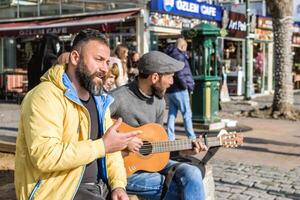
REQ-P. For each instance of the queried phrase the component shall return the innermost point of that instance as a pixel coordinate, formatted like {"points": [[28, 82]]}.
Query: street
{"points": [[267, 165]]}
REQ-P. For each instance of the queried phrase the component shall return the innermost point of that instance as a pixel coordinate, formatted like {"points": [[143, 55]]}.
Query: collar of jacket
{"points": [[102, 101]]}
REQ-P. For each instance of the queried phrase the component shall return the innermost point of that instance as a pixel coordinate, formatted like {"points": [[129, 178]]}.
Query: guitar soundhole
{"points": [[146, 149]]}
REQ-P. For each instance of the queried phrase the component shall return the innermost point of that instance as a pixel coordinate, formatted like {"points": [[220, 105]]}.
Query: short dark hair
{"points": [[86, 35], [143, 76]]}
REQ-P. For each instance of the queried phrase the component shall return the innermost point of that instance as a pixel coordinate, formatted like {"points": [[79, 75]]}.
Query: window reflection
{"points": [[11, 9]]}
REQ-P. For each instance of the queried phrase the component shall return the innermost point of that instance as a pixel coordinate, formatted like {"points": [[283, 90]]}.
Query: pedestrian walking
{"points": [[179, 93]]}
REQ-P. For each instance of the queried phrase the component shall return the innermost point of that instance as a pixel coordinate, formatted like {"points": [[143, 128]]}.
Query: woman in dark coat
{"points": [[43, 58]]}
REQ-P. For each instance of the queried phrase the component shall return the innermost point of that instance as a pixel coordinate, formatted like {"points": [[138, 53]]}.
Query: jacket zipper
{"points": [[78, 184], [89, 131], [103, 127], [37, 185]]}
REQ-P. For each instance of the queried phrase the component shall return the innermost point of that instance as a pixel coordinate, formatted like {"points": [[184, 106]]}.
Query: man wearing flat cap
{"points": [[141, 102]]}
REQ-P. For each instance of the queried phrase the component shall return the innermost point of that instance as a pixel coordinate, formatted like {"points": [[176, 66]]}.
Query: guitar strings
{"points": [[157, 146], [166, 146]]}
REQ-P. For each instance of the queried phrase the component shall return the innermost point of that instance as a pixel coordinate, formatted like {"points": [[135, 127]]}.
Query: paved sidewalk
{"points": [[9, 119], [240, 181], [267, 166]]}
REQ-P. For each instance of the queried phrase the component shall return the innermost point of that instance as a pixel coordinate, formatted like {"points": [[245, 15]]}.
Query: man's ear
{"points": [[154, 78], [74, 57]]}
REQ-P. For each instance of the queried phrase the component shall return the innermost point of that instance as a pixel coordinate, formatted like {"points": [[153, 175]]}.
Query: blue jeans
{"points": [[180, 101], [186, 184]]}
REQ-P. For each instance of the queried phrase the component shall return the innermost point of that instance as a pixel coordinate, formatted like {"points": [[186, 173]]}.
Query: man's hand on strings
{"points": [[198, 146]]}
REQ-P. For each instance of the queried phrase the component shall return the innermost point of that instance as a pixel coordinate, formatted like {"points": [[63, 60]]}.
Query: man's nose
{"points": [[104, 67], [172, 81]]}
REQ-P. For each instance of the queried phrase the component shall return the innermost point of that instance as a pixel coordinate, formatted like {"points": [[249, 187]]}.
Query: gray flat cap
{"points": [[158, 62]]}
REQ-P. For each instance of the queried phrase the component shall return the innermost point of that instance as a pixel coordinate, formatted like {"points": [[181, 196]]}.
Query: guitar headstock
{"points": [[231, 139]]}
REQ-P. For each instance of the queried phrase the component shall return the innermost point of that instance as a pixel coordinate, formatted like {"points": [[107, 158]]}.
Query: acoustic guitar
{"points": [[154, 154]]}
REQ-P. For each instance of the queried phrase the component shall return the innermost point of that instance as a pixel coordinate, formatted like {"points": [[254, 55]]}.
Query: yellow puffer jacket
{"points": [[52, 144]]}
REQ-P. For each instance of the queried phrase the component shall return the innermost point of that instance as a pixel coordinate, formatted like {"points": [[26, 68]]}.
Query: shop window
{"points": [[24, 51], [49, 8], [232, 64], [233, 55], [28, 10], [296, 67], [8, 12], [9, 53], [260, 70]]}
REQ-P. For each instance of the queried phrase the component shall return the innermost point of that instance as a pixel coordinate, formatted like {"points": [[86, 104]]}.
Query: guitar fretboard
{"points": [[176, 145]]}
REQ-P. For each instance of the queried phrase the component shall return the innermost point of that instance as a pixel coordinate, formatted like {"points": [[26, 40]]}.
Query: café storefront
{"points": [[19, 39], [296, 55], [263, 56], [167, 18], [232, 49]]}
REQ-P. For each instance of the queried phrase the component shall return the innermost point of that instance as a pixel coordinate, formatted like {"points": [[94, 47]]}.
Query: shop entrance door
{"points": [[260, 67]]}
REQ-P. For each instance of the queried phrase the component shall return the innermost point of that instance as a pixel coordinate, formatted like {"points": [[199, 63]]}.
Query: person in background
{"points": [[132, 65], [111, 77], [63, 58], [178, 93], [259, 63], [67, 145], [121, 52], [43, 58], [141, 102]]}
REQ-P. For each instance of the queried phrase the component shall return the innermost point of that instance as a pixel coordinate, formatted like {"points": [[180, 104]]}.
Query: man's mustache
{"points": [[100, 75]]}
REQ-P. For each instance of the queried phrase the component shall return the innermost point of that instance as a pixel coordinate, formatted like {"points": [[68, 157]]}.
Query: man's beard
{"points": [[158, 92], [86, 80]]}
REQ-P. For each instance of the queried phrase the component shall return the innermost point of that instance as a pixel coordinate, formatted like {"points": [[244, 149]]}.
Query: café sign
{"points": [[31, 32], [187, 8], [236, 26]]}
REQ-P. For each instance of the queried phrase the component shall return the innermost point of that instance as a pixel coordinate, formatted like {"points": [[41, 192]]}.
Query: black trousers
{"points": [[92, 191]]}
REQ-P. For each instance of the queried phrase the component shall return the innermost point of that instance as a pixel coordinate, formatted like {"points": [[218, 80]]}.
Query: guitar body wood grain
{"points": [[152, 162]]}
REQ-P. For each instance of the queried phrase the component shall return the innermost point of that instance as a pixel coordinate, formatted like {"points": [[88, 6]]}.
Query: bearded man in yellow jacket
{"points": [[67, 144]]}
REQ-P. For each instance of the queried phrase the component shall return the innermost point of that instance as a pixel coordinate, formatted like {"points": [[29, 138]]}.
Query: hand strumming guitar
{"points": [[134, 144], [198, 146]]}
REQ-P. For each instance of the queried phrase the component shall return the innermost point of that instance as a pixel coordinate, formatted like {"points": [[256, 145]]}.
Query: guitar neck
{"points": [[177, 145]]}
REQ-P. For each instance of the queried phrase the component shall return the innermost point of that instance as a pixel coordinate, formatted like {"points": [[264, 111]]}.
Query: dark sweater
{"points": [[135, 108]]}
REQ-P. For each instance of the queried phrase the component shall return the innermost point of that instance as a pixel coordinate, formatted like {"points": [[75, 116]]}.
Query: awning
{"points": [[66, 22]]}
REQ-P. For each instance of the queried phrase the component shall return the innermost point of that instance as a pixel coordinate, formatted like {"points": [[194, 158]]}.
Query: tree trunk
{"points": [[281, 11]]}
